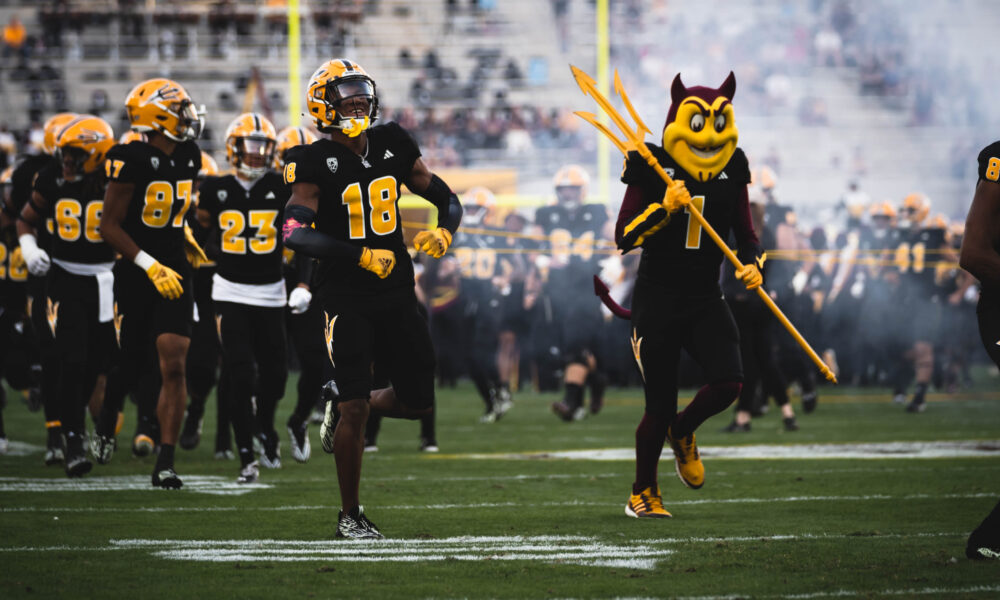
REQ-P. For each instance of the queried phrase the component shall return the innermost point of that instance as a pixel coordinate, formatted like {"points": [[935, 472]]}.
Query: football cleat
{"points": [[298, 437], [647, 504], [357, 526], [503, 403], [790, 424], [190, 433], [167, 479], [916, 406], [77, 464], [102, 448], [371, 447], [429, 446], [271, 456], [809, 402], [687, 460], [54, 452], [249, 473], [563, 411], [488, 417], [224, 454], [735, 427], [899, 398], [142, 445]]}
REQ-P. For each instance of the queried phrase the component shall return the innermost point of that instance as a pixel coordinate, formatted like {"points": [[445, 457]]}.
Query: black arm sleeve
{"points": [[449, 208], [305, 240], [304, 267]]}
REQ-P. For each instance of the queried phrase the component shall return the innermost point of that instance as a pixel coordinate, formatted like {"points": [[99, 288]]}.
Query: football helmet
{"points": [[916, 207], [250, 142], [939, 221], [333, 94], [132, 136], [83, 143], [571, 182], [51, 129], [209, 168], [288, 138], [883, 209], [162, 105], [478, 202]]}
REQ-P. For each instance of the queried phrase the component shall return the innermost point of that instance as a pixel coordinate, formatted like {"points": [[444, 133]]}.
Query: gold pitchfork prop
{"points": [[635, 140]]}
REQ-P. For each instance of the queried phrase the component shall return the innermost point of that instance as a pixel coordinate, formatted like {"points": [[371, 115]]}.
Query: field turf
{"points": [[495, 514]]}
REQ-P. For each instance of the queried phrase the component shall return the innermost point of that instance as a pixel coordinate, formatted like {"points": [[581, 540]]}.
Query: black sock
{"points": [[427, 429], [919, 393], [573, 397], [165, 459], [246, 456]]}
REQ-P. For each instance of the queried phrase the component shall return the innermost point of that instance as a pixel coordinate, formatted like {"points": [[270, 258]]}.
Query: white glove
{"points": [[37, 259], [299, 300]]}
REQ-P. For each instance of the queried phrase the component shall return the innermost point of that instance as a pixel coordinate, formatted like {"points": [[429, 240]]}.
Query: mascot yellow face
{"points": [[700, 132]]}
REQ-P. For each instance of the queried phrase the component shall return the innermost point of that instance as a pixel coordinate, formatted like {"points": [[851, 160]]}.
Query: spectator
{"points": [[15, 40]]}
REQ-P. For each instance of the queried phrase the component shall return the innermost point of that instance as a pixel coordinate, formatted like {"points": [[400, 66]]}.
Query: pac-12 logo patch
{"points": [[331, 163]]}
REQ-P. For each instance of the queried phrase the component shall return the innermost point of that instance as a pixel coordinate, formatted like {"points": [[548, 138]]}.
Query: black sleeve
{"points": [[989, 162], [449, 208], [300, 237]]}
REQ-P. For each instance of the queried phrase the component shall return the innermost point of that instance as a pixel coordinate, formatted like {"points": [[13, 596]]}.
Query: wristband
{"points": [[143, 260]]}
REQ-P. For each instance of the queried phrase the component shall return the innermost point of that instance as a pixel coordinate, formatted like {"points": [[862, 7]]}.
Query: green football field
{"points": [[865, 500]]}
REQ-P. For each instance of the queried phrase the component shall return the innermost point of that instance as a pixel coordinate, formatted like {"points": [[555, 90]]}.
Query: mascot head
{"points": [[700, 133]]}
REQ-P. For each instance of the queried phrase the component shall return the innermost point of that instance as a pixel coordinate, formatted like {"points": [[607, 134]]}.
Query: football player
{"points": [[243, 212], [918, 248], [21, 187], [13, 274], [574, 230], [482, 271], [677, 302], [349, 185], [979, 256], [79, 302], [149, 192]]}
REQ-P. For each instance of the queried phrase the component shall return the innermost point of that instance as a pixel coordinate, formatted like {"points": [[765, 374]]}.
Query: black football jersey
{"points": [[75, 207], [574, 235], [917, 254], [989, 162], [482, 257], [246, 226], [163, 194], [681, 254], [358, 203]]}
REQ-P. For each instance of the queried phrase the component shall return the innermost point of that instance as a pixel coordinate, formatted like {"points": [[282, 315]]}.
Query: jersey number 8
{"points": [[160, 202]]}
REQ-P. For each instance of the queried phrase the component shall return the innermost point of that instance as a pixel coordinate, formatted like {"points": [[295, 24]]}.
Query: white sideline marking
{"points": [[15, 448], [202, 484], [956, 449], [157, 509]]}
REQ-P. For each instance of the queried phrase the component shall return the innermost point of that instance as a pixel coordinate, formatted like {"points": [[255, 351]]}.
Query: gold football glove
{"points": [[195, 255], [434, 242], [378, 261], [676, 197], [166, 280], [750, 276]]}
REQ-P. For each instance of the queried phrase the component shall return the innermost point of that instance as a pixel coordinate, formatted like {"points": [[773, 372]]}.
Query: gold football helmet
{"points": [[51, 129], [288, 138], [132, 136], [162, 105], [209, 168], [571, 182], [883, 209], [250, 142], [83, 143], [341, 95], [916, 207]]}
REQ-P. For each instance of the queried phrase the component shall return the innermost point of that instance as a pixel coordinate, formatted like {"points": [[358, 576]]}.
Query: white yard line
{"points": [[202, 484], [952, 449]]}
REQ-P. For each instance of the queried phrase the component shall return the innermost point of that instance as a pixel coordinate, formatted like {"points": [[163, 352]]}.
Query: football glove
{"points": [[676, 197], [195, 255], [378, 261], [166, 280], [299, 300], [37, 259], [750, 276], [433, 242]]}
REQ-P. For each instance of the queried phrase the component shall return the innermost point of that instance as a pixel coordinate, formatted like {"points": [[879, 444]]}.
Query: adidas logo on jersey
{"points": [[723, 175], [191, 163], [269, 196], [155, 161], [388, 154]]}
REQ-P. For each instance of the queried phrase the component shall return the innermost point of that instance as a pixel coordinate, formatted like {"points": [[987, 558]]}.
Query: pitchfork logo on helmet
{"points": [[342, 96], [250, 142], [83, 143], [162, 105]]}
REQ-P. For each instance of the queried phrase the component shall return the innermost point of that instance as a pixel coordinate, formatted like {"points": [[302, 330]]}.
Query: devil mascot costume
{"points": [[678, 302]]}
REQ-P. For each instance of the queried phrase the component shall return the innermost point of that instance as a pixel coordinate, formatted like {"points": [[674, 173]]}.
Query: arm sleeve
{"points": [[638, 219], [300, 237], [449, 208]]}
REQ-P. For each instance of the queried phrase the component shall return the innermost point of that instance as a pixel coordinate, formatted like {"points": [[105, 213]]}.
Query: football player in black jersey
{"points": [[574, 230], [21, 189], [149, 192], [79, 302], [13, 274], [243, 213], [677, 301], [979, 256], [348, 186]]}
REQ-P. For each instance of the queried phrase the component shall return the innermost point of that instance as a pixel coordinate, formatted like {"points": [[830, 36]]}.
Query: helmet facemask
{"points": [[190, 121], [254, 156], [352, 105]]}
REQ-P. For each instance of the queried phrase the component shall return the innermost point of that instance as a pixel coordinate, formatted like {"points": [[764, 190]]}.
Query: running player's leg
{"points": [[269, 350], [235, 323]]}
